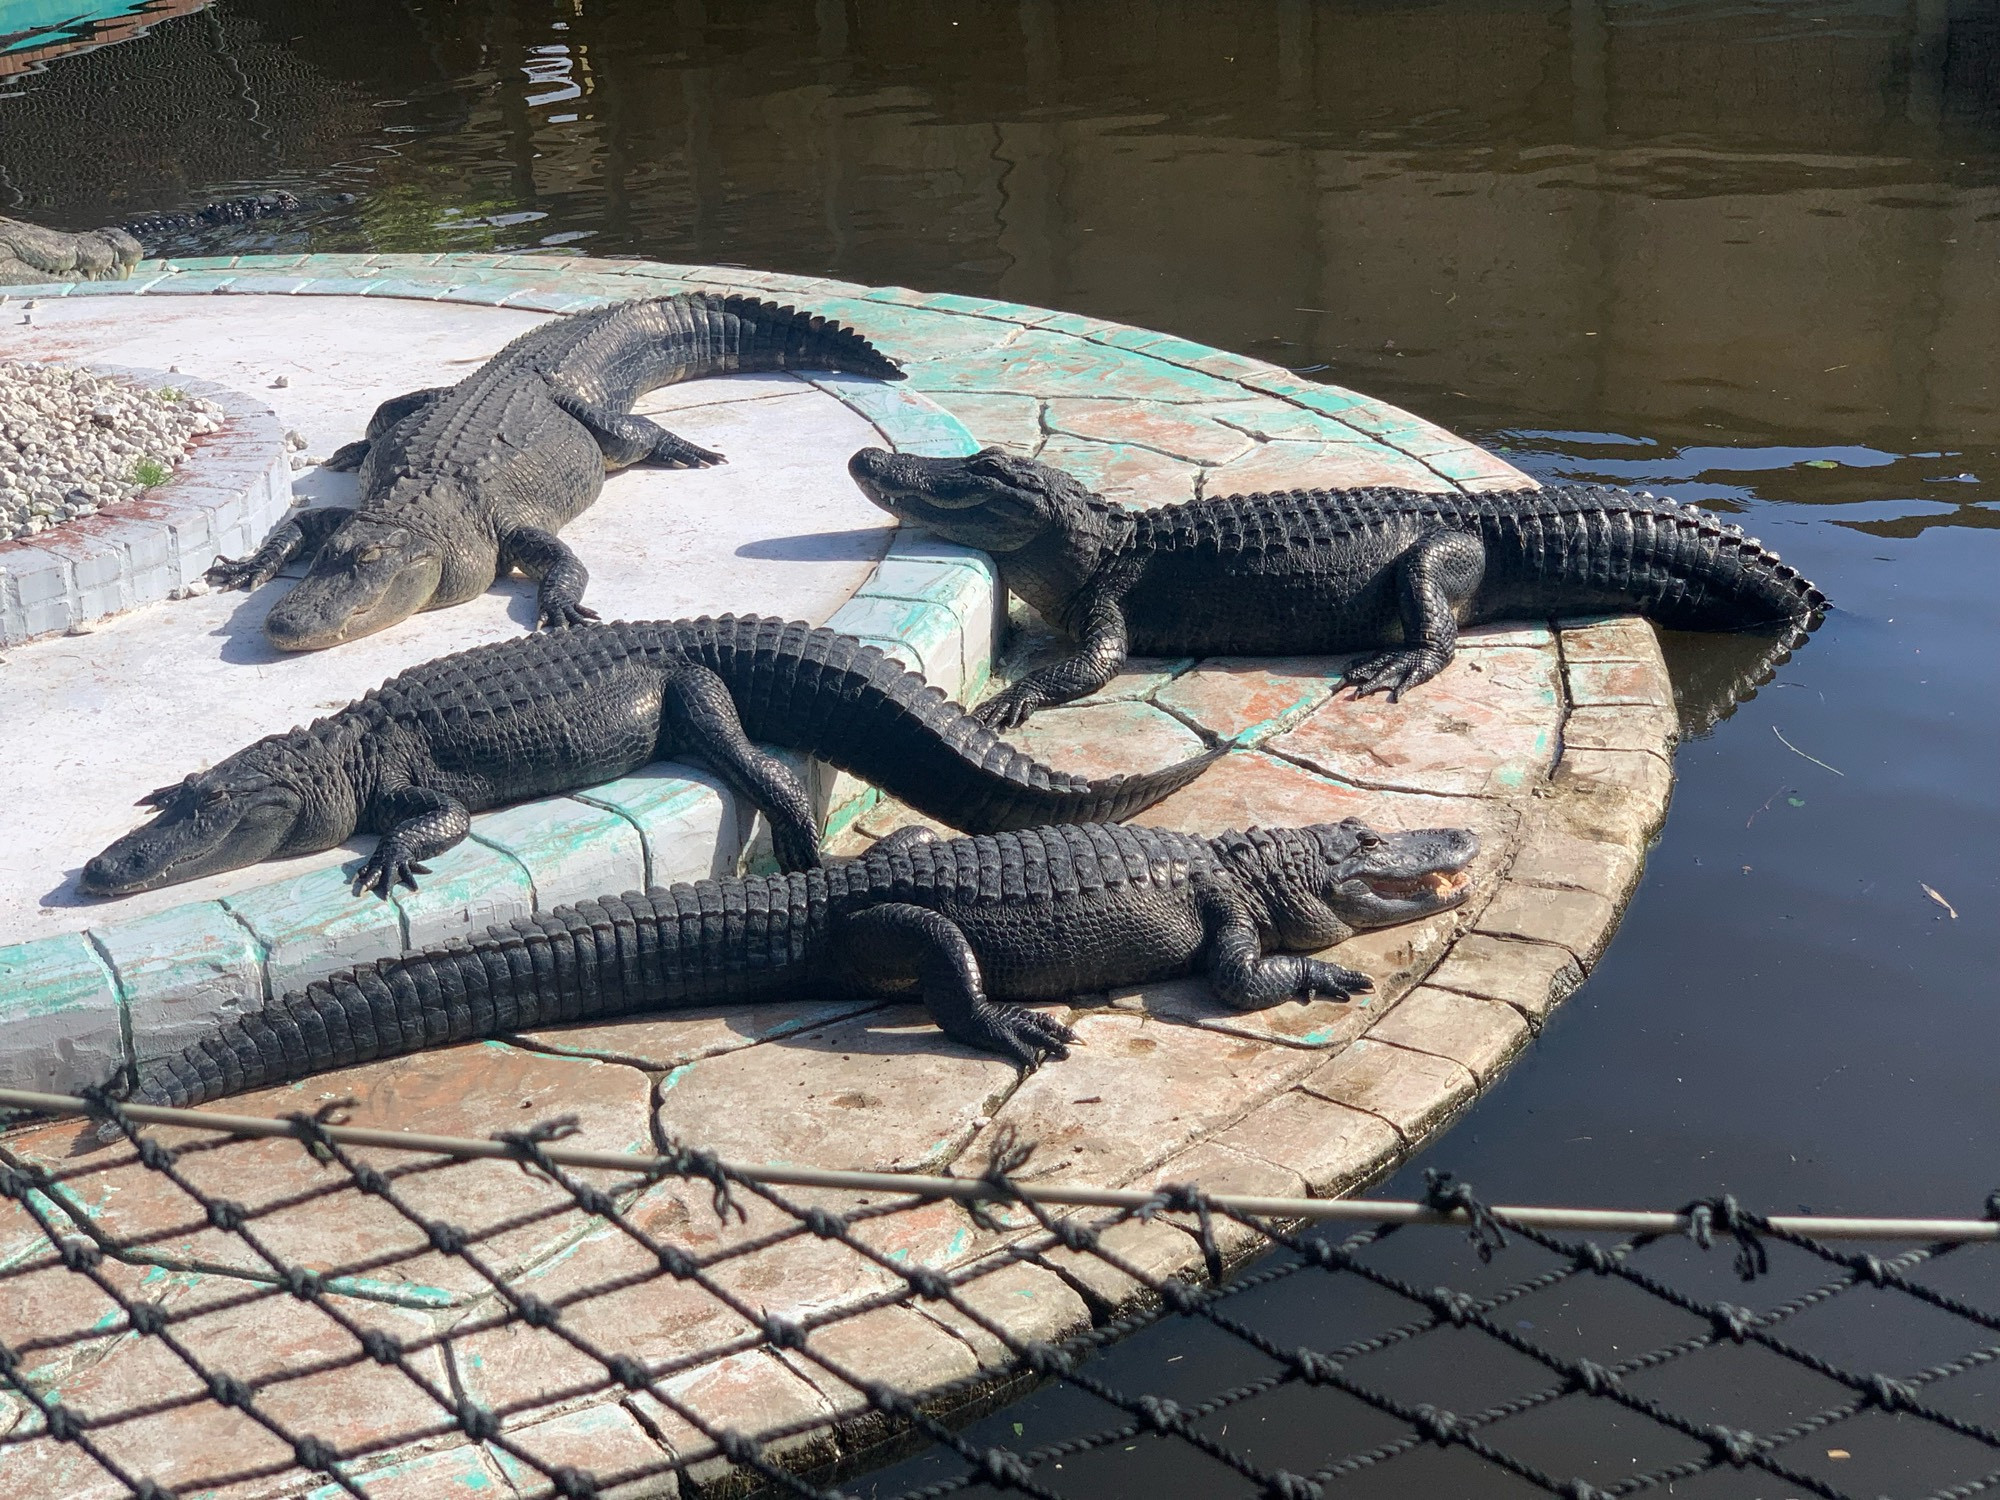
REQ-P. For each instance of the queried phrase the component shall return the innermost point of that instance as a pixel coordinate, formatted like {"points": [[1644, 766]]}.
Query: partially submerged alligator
{"points": [[31, 254], [1304, 571], [541, 714], [966, 925], [460, 484]]}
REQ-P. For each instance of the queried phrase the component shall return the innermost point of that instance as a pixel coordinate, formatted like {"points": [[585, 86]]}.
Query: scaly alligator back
{"points": [[1561, 550]]}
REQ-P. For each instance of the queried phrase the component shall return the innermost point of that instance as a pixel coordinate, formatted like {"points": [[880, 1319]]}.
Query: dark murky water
{"points": [[1743, 251]]}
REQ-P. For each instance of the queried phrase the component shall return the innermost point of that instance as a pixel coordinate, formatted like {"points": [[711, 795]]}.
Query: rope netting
{"points": [[196, 1310]]}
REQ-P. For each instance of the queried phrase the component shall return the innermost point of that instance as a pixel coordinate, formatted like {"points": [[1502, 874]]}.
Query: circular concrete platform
{"points": [[1555, 744]]}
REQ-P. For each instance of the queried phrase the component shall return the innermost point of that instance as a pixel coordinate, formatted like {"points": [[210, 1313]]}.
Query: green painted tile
{"points": [[59, 1015], [313, 924], [469, 889], [181, 971], [571, 849], [552, 299], [928, 631], [691, 826], [454, 1473]]}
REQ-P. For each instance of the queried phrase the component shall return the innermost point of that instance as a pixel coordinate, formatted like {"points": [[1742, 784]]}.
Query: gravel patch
{"points": [[73, 443]]}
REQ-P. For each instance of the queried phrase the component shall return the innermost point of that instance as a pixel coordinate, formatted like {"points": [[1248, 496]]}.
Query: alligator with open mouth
{"points": [[1392, 571], [972, 927], [547, 713], [461, 484]]}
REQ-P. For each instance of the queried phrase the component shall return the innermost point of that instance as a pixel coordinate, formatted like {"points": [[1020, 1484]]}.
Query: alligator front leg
{"points": [[887, 946], [1100, 653], [544, 556], [1437, 578], [300, 534], [1239, 972], [699, 715], [387, 415], [627, 439], [427, 823]]}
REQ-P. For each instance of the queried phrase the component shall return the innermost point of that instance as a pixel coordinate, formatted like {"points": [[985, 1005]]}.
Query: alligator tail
{"points": [[597, 959], [226, 211], [747, 334], [850, 705]]}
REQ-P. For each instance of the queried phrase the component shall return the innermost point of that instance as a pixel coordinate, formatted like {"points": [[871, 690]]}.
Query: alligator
{"points": [[460, 484], [31, 254], [972, 927], [1320, 571], [540, 714]]}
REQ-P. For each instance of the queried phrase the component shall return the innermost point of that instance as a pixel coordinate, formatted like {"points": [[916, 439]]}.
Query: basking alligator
{"points": [[30, 253], [966, 925], [1325, 570], [461, 483], [541, 714]]}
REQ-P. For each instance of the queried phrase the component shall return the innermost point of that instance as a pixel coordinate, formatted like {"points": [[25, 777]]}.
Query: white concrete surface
{"points": [[88, 723]]}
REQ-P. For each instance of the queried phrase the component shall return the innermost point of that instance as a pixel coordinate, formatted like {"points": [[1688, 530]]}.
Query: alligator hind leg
{"points": [[302, 533], [627, 439], [427, 823], [1438, 577], [387, 415], [1238, 971], [543, 556], [699, 715], [888, 946]]}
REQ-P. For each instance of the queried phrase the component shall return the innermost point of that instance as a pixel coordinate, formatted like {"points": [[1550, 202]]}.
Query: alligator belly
{"points": [[1052, 950], [1260, 615]]}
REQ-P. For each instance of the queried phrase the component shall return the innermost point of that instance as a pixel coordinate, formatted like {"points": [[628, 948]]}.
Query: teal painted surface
{"points": [[570, 849], [51, 978], [313, 923], [468, 889]]}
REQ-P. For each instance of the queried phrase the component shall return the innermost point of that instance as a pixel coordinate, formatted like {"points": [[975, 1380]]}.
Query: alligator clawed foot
{"points": [[563, 616], [389, 866], [1332, 982], [236, 573], [1391, 672], [1026, 1036], [1004, 710]]}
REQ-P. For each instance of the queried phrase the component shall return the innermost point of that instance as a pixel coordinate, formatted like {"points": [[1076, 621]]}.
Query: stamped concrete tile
{"points": [[1123, 472], [1485, 726], [1613, 638], [894, 1345], [1029, 1302], [1136, 1254], [1483, 1035], [886, 1092], [1526, 634], [1106, 739], [1603, 684], [1332, 1148], [1010, 422], [1267, 419], [1318, 466], [1249, 699], [1217, 1170], [751, 1394], [460, 1473], [1041, 362], [1180, 430], [669, 1039], [1532, 977], [1141, 678], [1137, 1091], [1412, 1091], [1580, 921], [1615, 796], [603, 1440], [1550, 854], [1627, 726]]}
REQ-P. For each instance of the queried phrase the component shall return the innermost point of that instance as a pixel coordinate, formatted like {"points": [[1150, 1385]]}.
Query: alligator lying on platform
{"points": [[967, 925], [461, 483], [541, 714], [1306, 571], [31, 254]]}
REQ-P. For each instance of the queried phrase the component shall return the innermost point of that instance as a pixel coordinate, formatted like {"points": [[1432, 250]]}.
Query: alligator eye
{"points": [[1368, 840], [370, 553]]}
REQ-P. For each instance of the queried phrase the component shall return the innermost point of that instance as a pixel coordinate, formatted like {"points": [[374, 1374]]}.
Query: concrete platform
{"points": [[1554, 744]]}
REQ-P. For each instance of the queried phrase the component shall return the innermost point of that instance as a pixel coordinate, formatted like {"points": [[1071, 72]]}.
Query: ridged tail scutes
{"points": [[777, 336]]}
